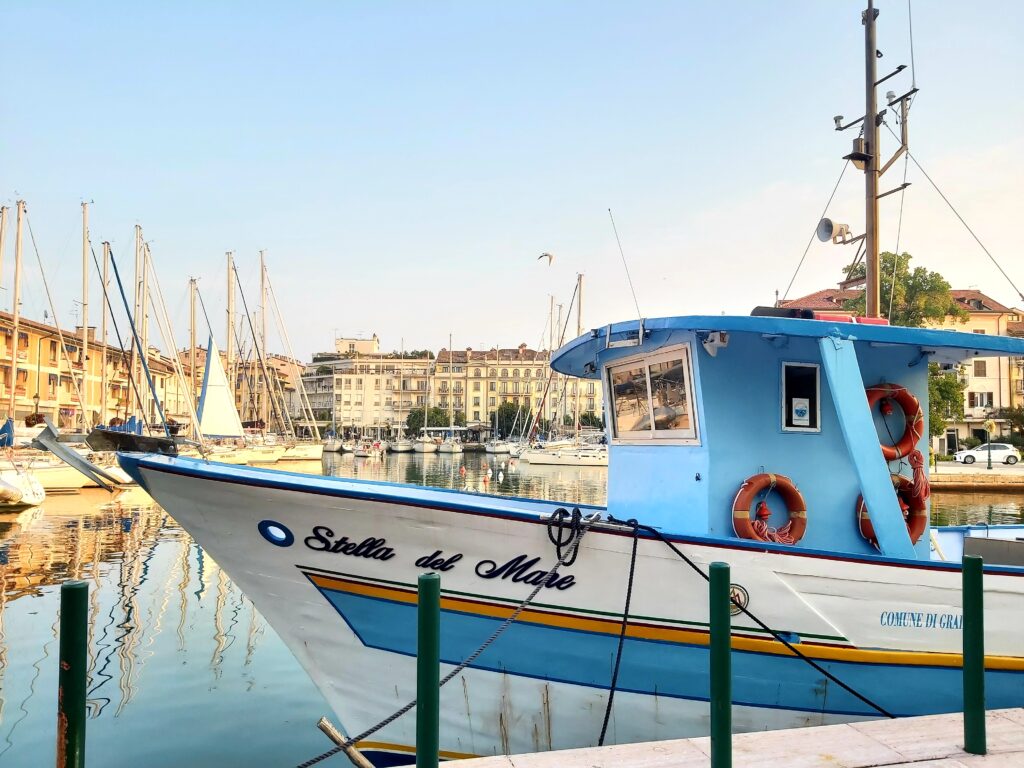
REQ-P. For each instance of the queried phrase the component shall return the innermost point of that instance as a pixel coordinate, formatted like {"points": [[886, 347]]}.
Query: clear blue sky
{"points": [[404, 163]]}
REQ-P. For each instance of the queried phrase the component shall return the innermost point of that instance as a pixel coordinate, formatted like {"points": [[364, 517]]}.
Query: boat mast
{"points": [[136, 371], [86, 421], [872, 291], [3, 237], [192, 340], [147, 407], [231, 326], [451, 392], [579, 332], [16, 306], [103, 334], [262, 342]]}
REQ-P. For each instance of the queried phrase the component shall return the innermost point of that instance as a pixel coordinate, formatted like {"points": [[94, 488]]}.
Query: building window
{"points": [[476, 386], [351, 347], [515, 373], [660, 386], [492, 372], [526, 373], [490, 401], [538, 386], [476, 401], [491, 386], [476, 372], [979, 399], [801, 408], [476, 415], [504, 373], [979, 330], [979, 368]]}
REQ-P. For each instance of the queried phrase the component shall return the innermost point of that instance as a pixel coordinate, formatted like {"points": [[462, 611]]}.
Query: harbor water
{"points": [[183, 670]]}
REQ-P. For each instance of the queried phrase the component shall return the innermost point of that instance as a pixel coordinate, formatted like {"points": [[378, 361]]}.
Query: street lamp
{"points": [[989, 427]]}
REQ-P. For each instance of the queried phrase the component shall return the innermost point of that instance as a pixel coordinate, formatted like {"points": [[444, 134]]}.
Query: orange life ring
{"points": [[744, 502], [912, 413], [914, 510]]}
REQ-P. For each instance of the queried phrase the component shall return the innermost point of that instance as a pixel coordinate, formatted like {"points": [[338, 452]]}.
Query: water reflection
{"points": [[144, 683], [478, 473], [175, 648]]}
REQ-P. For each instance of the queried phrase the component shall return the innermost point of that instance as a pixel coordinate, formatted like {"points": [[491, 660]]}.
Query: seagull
{"points": [[547, 256]]}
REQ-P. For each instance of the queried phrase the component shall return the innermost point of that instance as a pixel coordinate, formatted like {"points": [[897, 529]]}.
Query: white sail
{"points": [[217, 414]]}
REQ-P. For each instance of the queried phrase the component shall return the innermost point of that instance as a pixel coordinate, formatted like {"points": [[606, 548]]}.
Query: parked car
{"points": [[1002, 453]]}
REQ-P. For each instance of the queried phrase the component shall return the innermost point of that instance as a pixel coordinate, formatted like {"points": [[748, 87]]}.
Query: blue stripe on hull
{"points": [[671, 669]]}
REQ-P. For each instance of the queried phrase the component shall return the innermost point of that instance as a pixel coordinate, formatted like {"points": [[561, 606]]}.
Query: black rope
{"points": [[562, 535], [793, 649], [622, 633]]}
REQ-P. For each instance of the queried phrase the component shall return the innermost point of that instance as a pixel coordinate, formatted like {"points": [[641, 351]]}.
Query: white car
{"points": [[1002, 453]]}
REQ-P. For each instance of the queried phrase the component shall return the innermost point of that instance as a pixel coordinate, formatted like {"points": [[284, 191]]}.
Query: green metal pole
{"points": [[428, 670], [721, 666], [974, 656], [74, 641]]}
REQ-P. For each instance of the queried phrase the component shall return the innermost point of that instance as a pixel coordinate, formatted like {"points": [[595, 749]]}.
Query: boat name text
{"points": [[518, 569], [919, 620], [371, 547]]}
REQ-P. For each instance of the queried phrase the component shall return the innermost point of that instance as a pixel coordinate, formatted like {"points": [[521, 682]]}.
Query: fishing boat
{"points": [[786, 443]]}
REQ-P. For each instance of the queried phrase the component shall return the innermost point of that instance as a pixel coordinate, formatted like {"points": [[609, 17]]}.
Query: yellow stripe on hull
{"points": [[816, 651]]}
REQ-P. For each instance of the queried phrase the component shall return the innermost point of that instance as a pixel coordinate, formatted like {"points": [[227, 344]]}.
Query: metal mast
{"points": [[231, 325], [103, 334], [872, 293], [86, 421], [16, 307], [192, 340], [3, 236], [262, 343]]}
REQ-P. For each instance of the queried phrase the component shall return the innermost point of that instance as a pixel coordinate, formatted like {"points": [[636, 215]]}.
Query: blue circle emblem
{"points": [[276, 534]]}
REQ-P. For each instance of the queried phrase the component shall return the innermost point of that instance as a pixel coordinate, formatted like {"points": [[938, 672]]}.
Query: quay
{"points": [[935, 741]]}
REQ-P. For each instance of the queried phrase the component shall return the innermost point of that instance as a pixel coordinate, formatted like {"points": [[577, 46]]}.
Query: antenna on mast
{"points": [[866, 157]]}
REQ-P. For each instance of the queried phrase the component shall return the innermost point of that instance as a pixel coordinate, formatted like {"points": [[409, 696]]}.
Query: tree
{"points": [[511, 416], [920, 295], [591, 420], [1014, 417], [945, 399], [438, 417]]}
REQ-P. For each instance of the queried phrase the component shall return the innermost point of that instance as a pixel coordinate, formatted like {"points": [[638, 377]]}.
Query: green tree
{"points": [[591, 420], [511, 416], [920, 294], [945, 399], [1014, 417], [438, 417]]}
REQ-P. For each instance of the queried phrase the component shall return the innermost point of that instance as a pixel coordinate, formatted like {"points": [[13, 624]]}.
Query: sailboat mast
{"points": [[579, 332], [871, 173], [262, 341], [451, 392], [231, 326], [3, 237], [144, 308], [192, 339], [86, 421], [136, 369], [103, 334], [16, 306]]}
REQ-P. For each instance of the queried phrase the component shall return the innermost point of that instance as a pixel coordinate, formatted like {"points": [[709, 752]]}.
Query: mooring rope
{"points": [[578, 525], [622, 632]]}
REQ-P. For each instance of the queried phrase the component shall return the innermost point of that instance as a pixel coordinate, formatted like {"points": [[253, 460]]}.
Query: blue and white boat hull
{"points": [[332, 564]]}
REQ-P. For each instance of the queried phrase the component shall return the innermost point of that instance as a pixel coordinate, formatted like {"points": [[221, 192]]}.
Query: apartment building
{"points": [[39, 377], [990, 383], [376, 391]]}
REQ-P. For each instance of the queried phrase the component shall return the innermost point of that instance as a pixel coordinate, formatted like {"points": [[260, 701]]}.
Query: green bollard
{"points": [[74, 641], [974, 656], [428, 670], [721, 666]]}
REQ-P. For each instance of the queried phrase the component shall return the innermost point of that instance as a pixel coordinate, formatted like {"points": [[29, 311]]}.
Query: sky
{"points": [[403, 164]]}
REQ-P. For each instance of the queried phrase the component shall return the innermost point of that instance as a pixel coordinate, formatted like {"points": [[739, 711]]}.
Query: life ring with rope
{"points": [[757, 528], [913, 414], [912, 502]]}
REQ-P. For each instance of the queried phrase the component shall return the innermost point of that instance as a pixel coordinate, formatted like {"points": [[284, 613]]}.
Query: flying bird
{"points": [[547, 256]]}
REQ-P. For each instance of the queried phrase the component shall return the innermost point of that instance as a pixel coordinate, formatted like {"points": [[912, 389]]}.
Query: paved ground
{"points": [[954, 467], [919, 742]]}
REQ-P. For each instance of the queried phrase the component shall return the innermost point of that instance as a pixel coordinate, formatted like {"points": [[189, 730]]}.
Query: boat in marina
{"points": [[842, 609], [841, 597], [368, 448], [20, 489], [569, 456], [400, 445], [303, 451], [333, 444]]}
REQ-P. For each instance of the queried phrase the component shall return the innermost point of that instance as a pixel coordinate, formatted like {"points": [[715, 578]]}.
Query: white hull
{"points": [[497, 447], [400, 446], [303, 452], [424, 446], [19, 489], [57, 477], [567, 457], [449, 447], [333, 445], [264, 454], [330, 605]]}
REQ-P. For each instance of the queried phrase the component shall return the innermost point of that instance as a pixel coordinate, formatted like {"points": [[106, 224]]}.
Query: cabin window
{"points": [[652, 398], [801, 409]]}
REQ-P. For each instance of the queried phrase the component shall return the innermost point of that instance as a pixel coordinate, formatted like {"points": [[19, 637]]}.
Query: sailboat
{"points": [[843, 611], [218, 419], [450, 444], [424, 442], [401, 444]]}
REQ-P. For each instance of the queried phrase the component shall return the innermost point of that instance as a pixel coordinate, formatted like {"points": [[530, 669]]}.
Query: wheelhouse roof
{"points": [[579, 356]]}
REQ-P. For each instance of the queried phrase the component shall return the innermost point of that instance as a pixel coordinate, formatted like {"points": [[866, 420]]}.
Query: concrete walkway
{"points": [[919, 742]]}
